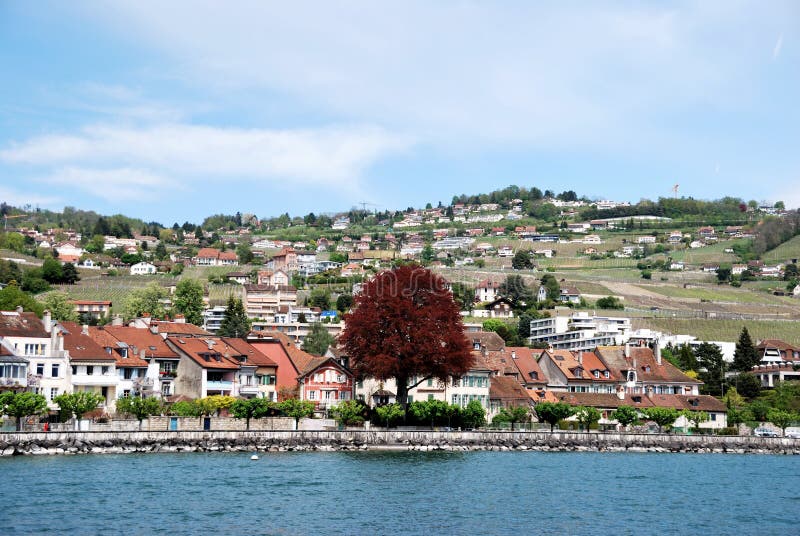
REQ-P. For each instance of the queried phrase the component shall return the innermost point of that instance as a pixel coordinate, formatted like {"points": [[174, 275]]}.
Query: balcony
{"points": [[219, 386], [168, 374], [248, 389], [95, 379]]}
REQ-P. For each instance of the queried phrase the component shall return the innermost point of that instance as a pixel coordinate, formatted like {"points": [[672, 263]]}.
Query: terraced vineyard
{"points": [[724, 330], [787, 250]]}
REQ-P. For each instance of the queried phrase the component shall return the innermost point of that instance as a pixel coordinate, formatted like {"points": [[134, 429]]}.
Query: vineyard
{"points": [[724, 330], [786, 251]]}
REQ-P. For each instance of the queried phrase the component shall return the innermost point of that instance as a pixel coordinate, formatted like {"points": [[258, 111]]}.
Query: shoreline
{"points": [[71, 443]]}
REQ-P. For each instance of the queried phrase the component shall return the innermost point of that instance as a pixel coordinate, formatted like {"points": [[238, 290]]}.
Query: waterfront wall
{"points": [[41, 443]]}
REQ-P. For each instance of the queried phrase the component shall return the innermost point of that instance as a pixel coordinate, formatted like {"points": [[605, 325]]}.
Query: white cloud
{"points": [[130, 162], [20, 199], [778, 47]]}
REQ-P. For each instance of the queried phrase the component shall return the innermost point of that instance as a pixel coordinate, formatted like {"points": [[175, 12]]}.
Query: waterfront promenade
{"points": [[54, 443]]}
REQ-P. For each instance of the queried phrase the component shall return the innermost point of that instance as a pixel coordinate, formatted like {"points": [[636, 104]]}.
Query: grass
{"points": [[712, 294], [788, 250], [724, 330]]}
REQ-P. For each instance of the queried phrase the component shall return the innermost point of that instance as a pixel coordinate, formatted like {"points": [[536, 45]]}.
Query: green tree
{"points": [[712, 368], [390, 413], [234, 321], [733, 399], [427, 255], [69, 274], [587, 416], [610, 302], [723, 274], [60, 307], [759, 409], [251, 408], [189, 300], [96, 244], [686, 358], [321, 298], [344, 302], [52, 272], [161, 251], [695, 417], [77, 404], [145, 300], [12, 296], [244, 253], [553, 412], [782, 419], [184, 408], [296, 409], [747, 384], [515, 289], [139, 407], [625, 415], [474, 415], [349, 412], [661, 416], [26, 404], [745, 356], [32, 281], [513, 415], [318, 339], [500, 327], [522, 260], [550, 284], [736, 416]]}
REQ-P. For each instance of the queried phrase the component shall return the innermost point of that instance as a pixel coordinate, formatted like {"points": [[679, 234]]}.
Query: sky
{"points": [[173, 111]]}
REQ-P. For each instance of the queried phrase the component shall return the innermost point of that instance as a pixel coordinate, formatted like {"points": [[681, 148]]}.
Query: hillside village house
{"points": [[285, 259], [487, 291], [95, 310], [276, 278], [91, 368], [265, 301], [143, 268], [215, 257], [39, 342]]}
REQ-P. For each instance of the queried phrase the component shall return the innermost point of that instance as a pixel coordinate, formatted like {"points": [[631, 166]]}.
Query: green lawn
{"points": [[714, 294]]}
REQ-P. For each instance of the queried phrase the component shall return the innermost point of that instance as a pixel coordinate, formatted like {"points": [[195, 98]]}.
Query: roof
{"points": [[775, 343], [647, 368], [209, 353], [507, 389], [487, 339], [253, 355], [91, 302], [208, 253], [14, 324], [269, 288], [580, 365], [7, 356], [178, 328], [107, 340], [81, 346], [605, 400], [488, 283], [525, 361]]}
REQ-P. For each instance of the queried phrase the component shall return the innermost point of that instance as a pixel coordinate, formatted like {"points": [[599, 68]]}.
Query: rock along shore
{"points": [[52, 443]]}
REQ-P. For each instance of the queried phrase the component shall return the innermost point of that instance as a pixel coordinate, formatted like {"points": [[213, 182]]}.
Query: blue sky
{"points": [[172, 111]]}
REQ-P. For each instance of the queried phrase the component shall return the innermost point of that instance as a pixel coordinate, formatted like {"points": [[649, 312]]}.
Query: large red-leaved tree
{"points": [[405, 325]]}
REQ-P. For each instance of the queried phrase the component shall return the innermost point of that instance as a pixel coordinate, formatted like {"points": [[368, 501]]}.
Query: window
{"points": [[410, 398], [455, 399], [104, 370], [40, 369], [54, 371], [430, 384], [471, 380], [596, 373], [430, 397], [713, 416], [340, 378], [606, 374], [53, 392], [126, 393], [74, 370], [127, 373], [344, 395], [90, 370], [312, 395]]}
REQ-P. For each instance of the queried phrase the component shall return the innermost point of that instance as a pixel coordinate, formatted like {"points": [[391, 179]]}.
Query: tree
{"points": [[234, 321], [609, 302], [244, 253], [69, 274], [78, 403], [782, 419], [745, 356], [522, 260], [390, 413], [747, 384], [733, 399], [251, 408], [625, 415], [759, 409], [515, 289], [344, 302], [723, 274], [686, 358], [297, 409], [12, 296], [60, 307], [513, 415], [695, 417], [184, 408], [25, 404], [189, 300], [321, 298], [318, 339], [349, 412], [661, 416], [550, 284], [52, 272], [405, 326], [464, 296], [145, 300], [139, 407], [161, 250], [587, 416], [433, 411], [474, 415], [553, 412], [712, 368]]}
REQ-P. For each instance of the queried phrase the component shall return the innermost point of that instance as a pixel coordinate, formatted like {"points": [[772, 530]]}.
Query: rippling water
{"points": [[401, 493]]}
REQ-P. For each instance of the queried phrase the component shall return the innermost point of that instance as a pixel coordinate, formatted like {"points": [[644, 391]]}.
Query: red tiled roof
{"points": [[526, 364], [208, 353], [507, 390], [647, 368], [13, 324], [179, 328], [105, 339], [488, 339], [139, 339], [208, 253], [82, 347]]}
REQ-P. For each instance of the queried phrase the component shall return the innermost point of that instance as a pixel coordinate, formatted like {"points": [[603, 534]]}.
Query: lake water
{"points": [[401, 493]]}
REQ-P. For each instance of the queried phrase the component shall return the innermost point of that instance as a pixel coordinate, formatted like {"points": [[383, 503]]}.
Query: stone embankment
{"points": [[40, 443]]}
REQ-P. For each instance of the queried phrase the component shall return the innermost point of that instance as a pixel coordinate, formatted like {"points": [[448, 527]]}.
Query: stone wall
{"points": [[260, 440]]}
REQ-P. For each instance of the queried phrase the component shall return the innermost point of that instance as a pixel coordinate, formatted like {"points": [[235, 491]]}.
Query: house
{"points": [[582, 227], [241, 278], [506, 392], [352, 269], [206, 367], [264, 301], [578, 372], [647, 239], [592, 239], [541, 294], [131, 369], [675, 237], [677, 265], [500, 308], [215, 257], [276, 278], [92, 309], [474, 385], [776, 351], [41, 343], [641, 370], [13, 369], [738, 269], [92, 369], [487, 290], [505, 251], [143, 268], [569, 295], [711, 267], [706, 232]]}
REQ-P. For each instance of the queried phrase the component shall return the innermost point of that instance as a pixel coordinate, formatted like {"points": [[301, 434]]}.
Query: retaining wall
{"points": [[39, 443]]}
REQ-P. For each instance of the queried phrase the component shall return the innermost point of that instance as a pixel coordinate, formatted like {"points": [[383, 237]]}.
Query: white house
{"points": [[143, 268]]}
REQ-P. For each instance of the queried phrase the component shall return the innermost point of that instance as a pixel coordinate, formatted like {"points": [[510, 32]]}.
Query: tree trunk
{"points": [[19, 424], [402, 395], [247, 426]]}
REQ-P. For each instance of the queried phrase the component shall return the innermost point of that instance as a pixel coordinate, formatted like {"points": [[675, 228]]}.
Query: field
{"points": [[787, 250], [724, 330]]}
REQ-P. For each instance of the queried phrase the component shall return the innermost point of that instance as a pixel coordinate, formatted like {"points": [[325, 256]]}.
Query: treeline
{"points": [[773, 232], [85, 222], [727, 209], [506, 195]]}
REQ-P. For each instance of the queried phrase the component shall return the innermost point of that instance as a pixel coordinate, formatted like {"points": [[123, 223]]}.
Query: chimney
{"points": [[627, 349], [20, 309], [210, 344], [513, 354], [85, 329], [580, 358], [142, 354], [47, 320], [180, 319], [154, 329], [116, 321], [658, 352]]}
